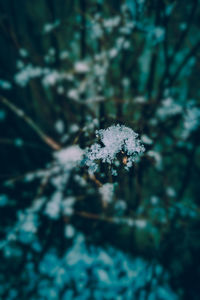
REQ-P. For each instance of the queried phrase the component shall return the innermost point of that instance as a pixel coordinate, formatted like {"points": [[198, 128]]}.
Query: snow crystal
{"points": [[126, 45], [159, 33], [127, 28], [2, 115], [113, 52], [157, 157], [60, 89], [120, 207], [51, 51], [67, 159], [69, 155], [140, 99], [67, 206], [30, 223], [140, 223], [111, 23], [3, 200], [81, 67], [191, 121], [170, 191], [23, 52], [169, 108], [18, 142], [154, 200], [69, 231], [52, 209], [73, 94], [74, 128], [26, 74], [119, 42], [60, 126], [4, 84], [20, 64], [51, 78], [51, 26], [106, 192], [96, 30], [116, 139], [64, 54], [126, 82], [80, 180], [146, 140]]}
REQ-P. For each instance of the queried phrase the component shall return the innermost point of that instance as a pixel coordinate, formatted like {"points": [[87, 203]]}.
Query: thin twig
{"points": [[94, 216], [23, 144], [97, 182], [20, 113]]}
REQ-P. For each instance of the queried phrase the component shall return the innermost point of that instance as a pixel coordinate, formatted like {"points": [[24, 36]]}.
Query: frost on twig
{"points": [[117, 140]]}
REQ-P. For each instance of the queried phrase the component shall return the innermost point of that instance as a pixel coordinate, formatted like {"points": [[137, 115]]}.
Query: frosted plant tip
{"points": [[118, 140]]}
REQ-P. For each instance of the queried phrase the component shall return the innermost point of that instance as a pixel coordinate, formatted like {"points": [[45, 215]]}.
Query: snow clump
{"points": [[117, 140]]}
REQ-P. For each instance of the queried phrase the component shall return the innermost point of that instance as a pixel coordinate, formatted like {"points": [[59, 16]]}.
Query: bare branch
{"points": [[20, 113]]}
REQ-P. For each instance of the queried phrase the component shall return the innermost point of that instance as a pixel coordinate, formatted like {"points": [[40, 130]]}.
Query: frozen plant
{"points": [[116, 140]]}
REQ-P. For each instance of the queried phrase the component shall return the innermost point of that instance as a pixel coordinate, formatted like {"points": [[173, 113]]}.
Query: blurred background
{"points": [[67, 69]]}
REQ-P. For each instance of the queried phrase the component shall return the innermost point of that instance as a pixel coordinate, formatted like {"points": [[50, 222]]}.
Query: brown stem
{"points": [[20, 113]]}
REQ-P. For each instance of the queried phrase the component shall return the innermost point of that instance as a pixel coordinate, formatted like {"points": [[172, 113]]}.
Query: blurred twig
{"points": [[20, 113]]}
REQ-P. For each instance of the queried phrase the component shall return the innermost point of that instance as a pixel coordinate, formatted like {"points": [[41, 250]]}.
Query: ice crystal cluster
{"points": [[83, 272], [117, 140]]}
